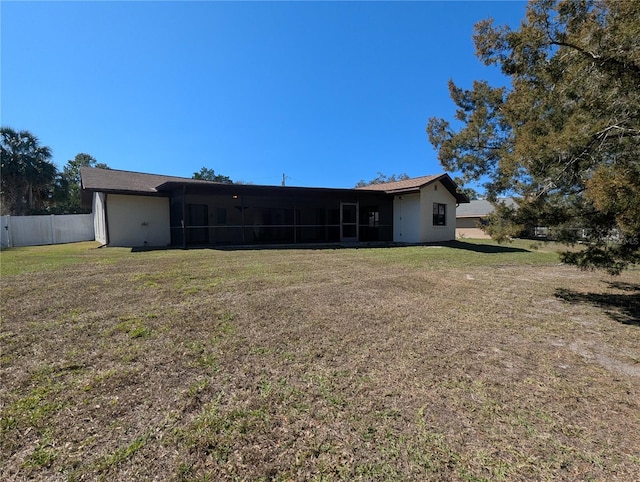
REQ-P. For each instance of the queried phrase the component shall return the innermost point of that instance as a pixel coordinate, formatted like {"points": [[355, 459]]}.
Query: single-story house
{"points": [[470, 216], [136, 209]]}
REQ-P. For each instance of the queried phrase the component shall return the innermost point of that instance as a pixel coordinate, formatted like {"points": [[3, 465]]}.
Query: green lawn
{"points": [[471, 361]]}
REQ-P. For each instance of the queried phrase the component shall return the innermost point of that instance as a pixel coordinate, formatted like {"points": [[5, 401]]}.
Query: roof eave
{"points": [[240, 188], [124, 192], [405, 190]]}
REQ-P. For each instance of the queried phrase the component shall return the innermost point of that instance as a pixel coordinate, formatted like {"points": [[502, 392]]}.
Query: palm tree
{"points": [[27, 173]]}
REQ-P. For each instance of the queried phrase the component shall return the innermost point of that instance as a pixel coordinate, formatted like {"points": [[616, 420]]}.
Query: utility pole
{"points": [[283, 177]]}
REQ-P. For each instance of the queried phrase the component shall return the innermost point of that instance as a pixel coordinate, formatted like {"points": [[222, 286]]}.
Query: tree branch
{"points": [[625, 66], [622, 132]]}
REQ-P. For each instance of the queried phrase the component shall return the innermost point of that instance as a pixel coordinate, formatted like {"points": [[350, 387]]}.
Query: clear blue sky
{"points": [[328, 93]]}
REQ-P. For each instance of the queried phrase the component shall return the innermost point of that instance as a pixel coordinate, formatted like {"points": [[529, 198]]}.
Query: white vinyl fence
{"points": [[48, 229]]}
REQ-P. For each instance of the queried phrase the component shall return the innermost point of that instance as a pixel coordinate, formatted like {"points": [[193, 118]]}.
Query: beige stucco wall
{"points": [[467, 222], [437, 193], [138, 220], [471, 233], [413, 216], [468, 228]]}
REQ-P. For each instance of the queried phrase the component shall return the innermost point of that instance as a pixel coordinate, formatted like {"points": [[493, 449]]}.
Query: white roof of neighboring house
{"points": [[480, 208]]}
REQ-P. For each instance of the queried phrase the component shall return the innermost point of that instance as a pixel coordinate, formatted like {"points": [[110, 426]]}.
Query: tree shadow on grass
{"points": [[621, 307], [483, 248]]}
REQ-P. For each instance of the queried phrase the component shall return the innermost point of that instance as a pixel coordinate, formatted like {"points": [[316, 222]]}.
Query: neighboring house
{"points": [[471, 216], [136, 209]]}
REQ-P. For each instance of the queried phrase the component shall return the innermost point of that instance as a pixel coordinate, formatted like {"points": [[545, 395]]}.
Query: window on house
{"points": [[439, 214]]}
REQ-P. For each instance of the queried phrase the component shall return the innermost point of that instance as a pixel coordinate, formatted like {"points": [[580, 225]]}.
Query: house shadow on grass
{"points": [[621, 307], [478, 248], [483, 248]]}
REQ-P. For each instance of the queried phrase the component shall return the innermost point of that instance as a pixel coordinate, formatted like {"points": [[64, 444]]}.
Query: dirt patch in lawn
{"points": [[362, 364]]}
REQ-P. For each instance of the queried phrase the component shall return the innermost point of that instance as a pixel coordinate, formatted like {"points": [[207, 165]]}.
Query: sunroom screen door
{"points": [[349, 222]]}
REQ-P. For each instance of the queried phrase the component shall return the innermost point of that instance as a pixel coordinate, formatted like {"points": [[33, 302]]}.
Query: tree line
{"points": [[31, 183]]}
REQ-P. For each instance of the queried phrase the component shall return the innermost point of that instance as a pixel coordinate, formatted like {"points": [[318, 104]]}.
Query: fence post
{"points": [[7, 229], [53, 229]]}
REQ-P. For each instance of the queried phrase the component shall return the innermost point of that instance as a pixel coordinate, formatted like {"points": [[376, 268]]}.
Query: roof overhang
{"points": [[86, 194], [252, 189]]}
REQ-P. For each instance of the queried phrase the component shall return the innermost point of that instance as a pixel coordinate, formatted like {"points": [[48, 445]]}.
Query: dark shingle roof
{"points": [[416, 183], [405, 185], [112, 180], [115, 181]]}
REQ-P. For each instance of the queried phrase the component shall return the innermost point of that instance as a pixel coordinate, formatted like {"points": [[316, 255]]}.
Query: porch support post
{"points": [[184, 216], [295, 226], [242, 209]]}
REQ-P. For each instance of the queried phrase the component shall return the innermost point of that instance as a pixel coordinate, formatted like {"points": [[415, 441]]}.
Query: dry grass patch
{"points": [[466, 362]]}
